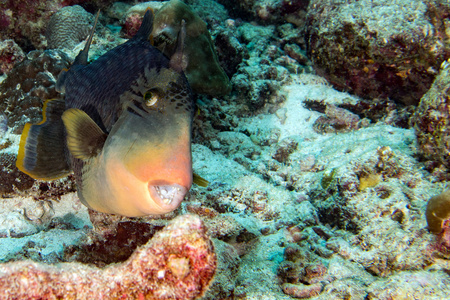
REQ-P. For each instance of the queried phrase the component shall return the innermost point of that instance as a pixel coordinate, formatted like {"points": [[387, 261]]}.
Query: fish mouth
{"points": [[167, 196]]}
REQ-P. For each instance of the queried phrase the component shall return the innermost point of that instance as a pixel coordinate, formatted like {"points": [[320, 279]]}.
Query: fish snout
{"points": [[167, 196]]}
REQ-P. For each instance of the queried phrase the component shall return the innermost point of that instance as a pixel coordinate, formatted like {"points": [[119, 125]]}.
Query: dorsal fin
{"points": [[178, 61], [146, 27], [82, 57]]}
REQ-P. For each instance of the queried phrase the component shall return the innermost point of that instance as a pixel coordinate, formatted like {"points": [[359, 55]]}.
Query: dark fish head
{"points": [[145, 166]]}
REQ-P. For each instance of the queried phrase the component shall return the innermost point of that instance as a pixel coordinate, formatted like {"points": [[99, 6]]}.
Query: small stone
{"points": [[301, 290]]}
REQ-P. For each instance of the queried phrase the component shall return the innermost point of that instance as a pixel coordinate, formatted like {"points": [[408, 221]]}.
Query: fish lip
{"points": [[167, 196]]}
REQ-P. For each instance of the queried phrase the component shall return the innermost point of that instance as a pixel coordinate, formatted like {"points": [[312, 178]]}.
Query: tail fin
{"points": [[42, 149], [146, 27]]}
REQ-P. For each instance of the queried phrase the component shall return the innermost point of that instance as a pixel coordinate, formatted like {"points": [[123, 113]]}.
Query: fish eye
{"points": [[151, 97]]}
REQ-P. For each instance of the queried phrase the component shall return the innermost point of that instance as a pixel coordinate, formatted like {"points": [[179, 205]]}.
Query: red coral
{"points": [[10, 54], [132, 23], [178, 263]]}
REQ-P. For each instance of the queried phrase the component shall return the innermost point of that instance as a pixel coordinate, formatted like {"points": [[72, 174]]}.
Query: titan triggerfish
{"points": [[124, 129]]}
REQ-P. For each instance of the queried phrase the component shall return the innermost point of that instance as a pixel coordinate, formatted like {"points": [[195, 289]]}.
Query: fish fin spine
{"points": [[179, 60], [82, 57]]}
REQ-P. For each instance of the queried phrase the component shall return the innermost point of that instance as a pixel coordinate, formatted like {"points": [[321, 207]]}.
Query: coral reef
{"points": [[419, 285], [12, 180], [29, 84], [10, 54], [366, 46], [269, 11], [67, 27], [131, 24], [229, 50], [178, 263], [306, 196], [210, 11], [431, 123], [25, 21], [337, 119], [400, 218], [257, 81]]}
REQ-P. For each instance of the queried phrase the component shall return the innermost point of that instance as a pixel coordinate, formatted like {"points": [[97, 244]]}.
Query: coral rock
{"points": [[337, 120], [269, 11], [178, 263], [132, 24], [12, 180], [378, 48], [10, 54], [431, 120], [68, 26], [301, 290], [29, 84], [25, 21]]}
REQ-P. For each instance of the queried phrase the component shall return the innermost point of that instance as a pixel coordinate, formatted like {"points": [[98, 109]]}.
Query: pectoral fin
{"points": [[85, 139], [199, 180], [42, 151]]}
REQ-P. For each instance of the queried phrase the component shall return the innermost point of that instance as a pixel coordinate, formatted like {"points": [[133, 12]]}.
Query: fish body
{"points": [[124, 129]]}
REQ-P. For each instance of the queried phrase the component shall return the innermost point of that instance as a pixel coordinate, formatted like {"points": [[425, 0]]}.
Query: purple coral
{"points": [[178, 263]]}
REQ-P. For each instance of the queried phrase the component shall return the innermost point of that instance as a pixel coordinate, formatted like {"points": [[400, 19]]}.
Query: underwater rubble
{"points": [[378, 48], [321, 127]]}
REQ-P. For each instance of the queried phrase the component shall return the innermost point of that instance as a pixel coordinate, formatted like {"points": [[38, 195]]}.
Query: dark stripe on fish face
{"points": [[99, 84], [164, 91], [135, 107]]}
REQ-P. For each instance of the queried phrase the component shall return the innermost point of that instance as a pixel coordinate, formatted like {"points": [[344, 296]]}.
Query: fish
{"points": [[124, 129]]}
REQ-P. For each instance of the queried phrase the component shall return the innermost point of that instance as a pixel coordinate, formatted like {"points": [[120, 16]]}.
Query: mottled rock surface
{"points": [[379, 48], [67, 27], [29, 84]]}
